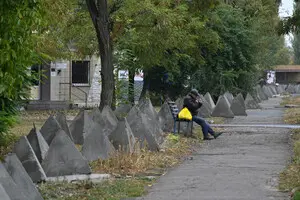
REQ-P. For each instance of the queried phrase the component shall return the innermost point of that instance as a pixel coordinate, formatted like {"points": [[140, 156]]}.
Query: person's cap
{"points": [[195, 92]]}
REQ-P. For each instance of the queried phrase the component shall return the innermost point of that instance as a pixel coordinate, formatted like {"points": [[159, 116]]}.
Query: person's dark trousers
{"points": [[205, 126]]}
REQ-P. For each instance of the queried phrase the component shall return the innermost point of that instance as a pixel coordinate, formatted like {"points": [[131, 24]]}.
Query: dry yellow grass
{"points": [[291, 100], [141, 161]]}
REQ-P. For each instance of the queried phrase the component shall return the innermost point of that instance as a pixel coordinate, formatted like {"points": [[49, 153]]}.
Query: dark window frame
{"points": [[86, 80]]}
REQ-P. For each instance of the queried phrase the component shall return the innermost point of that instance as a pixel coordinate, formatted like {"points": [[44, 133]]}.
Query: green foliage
{"points": [[68, 30], [18, 22]]}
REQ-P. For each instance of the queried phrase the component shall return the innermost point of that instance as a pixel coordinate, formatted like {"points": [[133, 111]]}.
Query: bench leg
{"points": [[174, 127], [178, 127], [192, 125]]}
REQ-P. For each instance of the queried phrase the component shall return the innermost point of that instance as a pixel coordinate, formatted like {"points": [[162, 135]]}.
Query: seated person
{"points": [[193, 102]]}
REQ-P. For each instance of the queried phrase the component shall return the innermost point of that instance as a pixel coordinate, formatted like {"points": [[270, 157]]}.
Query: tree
{"points": [[19, 21], [100, 17]]}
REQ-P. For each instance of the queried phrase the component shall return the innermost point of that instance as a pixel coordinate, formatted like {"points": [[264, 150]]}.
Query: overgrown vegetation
{"points": [[108, 190], [290, 177], [145, 161]]}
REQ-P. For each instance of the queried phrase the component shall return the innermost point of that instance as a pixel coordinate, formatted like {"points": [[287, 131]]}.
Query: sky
{"points": [[286, 9]]}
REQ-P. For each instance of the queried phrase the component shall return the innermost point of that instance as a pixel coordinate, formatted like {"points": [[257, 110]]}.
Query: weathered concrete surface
{"points": [[30, 162], [20, 177], [242, 164], [63, 158], [38, 144]]}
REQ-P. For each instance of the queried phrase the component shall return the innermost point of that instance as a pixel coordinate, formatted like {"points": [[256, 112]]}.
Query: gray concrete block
{"points": [[261, 93], [62, 120], [110, 120], [251, 103], [165, 118], [97, 145], [79, 126], [38, 144], [153, 119], [179, 103], [222, 108], [205, 110], [122, 137], [122, 110], [63, 158], [229, 97], [19, 175], [267, 91], [9, 186], [238, 106], [3, 194], [29, 160], [49, 129], [142, 129], [210, 101], [291, 89]]}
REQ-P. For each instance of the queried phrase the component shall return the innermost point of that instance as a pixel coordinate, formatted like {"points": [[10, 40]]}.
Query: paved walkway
{"points": [[243, 164]]}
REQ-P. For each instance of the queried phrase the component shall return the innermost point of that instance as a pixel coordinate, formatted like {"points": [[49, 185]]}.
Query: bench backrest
{"points": [[174, 109]]}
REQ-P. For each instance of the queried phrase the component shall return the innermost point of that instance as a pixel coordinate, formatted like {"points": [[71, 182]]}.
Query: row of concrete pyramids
{"points": [[52, 151], [227, 105]]}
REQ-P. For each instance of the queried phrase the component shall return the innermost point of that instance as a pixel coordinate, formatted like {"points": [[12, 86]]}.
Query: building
{"points": [[76, 83], [287, 74], [64, 83]]}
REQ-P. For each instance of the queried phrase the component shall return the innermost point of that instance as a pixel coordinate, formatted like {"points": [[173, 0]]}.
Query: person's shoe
{"points": [[207, 138], [216, 135]]}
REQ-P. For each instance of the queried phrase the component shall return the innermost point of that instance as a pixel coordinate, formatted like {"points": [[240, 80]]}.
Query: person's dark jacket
{"points": [[190, 103]]}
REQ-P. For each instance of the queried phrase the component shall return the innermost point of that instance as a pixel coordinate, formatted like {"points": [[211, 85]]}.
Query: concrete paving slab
{"points": [[242, 164]]}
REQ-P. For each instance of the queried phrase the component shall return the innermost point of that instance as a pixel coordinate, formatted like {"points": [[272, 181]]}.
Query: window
{"points": [[35, 72], [81, 73]]}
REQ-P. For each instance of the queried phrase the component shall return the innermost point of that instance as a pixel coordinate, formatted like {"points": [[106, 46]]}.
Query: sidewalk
{"points": [[242, 164]]}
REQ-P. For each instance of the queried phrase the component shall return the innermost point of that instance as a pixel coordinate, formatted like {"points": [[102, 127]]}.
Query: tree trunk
{"points": [[99, 14], [131, 86]]}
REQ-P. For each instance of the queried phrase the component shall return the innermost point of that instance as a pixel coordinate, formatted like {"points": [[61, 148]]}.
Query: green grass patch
{"points": [[108, 190], [290, 177]]}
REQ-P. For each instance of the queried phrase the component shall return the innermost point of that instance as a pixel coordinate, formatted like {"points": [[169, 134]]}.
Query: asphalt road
{"points": [[242, 164]]}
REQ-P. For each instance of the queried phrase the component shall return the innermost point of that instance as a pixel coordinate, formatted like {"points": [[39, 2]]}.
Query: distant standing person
{"points": [[193, 102]]}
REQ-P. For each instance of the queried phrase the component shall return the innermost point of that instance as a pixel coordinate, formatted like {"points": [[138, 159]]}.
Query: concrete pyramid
{"points": [[179, 103], [273, 89], [62, 120], [38, 144], [291, 89], [267, 91], [122, 110], [97, 117], [9, 189], [29, 160], [261, 93], [97, 145], [238, 106], [165, 118], [20, 177], [63, 158], [229, 97], [222, 108], [142, 129], [251, 103], [3, 194], [110, 120], [210, 101], [122, 137], [297, 89], [49, 129], [80, 126], [205, 110], [153, 119]]}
